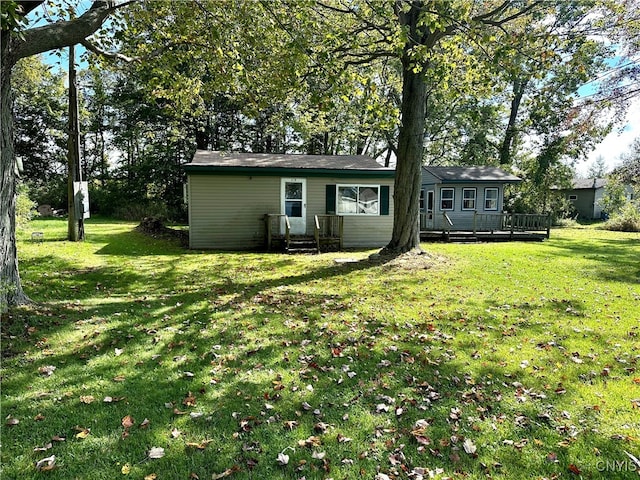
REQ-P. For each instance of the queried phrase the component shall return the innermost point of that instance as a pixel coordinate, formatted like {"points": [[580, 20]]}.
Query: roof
{"points": [[588, 183], [205, 161], [471, 174]]}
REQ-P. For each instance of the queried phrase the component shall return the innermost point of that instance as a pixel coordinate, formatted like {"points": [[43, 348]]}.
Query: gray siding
{"points": [[226, 211], [462, 219]]}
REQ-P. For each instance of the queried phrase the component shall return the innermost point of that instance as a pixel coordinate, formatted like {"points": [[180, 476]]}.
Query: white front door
{"points": [[293, 193]]}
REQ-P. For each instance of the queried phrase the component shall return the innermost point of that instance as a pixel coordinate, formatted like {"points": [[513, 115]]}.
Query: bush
{"points": [[25, 207], [627, 219]]}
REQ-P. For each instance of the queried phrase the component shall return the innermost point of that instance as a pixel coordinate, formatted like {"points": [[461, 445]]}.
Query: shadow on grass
{"points": [[227, 362], [615, 259]]}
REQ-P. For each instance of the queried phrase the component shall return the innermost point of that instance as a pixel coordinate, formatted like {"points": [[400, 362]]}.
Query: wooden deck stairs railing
{"points": [[328, 234]]}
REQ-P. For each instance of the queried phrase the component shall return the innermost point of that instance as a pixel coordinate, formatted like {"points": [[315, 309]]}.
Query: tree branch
{"points": [[110, 55], [64, 33]]}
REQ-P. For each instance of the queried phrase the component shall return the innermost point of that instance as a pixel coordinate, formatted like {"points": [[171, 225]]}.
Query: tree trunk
{"points": [[11, 292], [510, 134], [406, 195]]}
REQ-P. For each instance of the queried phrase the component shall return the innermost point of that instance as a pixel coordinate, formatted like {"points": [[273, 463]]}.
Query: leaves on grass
{"points": [[156, 452], [45, 464], [82, 432], [87, 399], [128, 422]]}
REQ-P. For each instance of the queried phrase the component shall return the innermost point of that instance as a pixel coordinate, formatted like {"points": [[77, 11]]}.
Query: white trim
{"points": [[298, 224], [453, 199], [497, 199], [475, 196]]}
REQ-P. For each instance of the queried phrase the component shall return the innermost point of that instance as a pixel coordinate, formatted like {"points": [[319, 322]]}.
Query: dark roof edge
{"points": [[292, 172]]}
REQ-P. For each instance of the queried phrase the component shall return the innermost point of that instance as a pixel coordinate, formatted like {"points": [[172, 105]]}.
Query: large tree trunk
{"points": [[10, 286], [406, 195]]}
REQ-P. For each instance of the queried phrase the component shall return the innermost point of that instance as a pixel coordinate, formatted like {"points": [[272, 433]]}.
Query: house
{"points": [[453, 197], [241, 201], [585, 196]]}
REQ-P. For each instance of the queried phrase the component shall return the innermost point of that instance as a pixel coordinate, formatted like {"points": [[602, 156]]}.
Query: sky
{"points": [[616, 143]]}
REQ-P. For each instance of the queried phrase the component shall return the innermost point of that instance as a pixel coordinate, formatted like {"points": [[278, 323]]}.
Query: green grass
{"points": [[527, 351]]}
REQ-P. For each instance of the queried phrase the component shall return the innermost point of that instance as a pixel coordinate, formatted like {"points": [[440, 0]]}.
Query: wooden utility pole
{"points": [[75, 227]]}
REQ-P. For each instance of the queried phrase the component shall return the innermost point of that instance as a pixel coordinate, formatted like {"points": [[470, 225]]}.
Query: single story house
{"points": [[233, 197], [458, 194], [585, 196]]}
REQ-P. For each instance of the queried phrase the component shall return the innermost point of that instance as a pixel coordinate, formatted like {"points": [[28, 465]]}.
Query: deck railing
{"points": [[329, 228], [512, 222], [488, 222], [277, 226]]}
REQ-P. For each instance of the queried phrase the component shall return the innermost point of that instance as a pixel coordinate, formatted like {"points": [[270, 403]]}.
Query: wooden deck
{"points": [[466, 236], [499, 227]]}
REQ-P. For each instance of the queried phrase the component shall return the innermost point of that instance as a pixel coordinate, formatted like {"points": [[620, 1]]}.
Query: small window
{"points": [[421, 200], [358, 199], [446, 199], [491, 199], [573, 197], [469, 199]]}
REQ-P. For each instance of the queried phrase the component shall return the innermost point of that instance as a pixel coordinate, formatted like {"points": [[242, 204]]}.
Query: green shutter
{"points": [[384, 199], [330, 200]]}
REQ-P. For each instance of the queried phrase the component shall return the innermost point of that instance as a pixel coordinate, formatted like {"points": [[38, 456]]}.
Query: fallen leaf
{"points": [[48, 463], [151, 476], [469, 447], [83, 432], [87, 399], [43, 449], [119, 378], [47, 370], [126, 469], [11, 421], [145, 423], [175, 433], [127, 422], [226, 473], [156, 452], [575, 470], [39, 417], [190, 400], [283, 458], [118, 351]]}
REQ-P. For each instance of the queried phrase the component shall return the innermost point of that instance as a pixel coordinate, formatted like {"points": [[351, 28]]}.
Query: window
{"points": [[469, 199], [446, 199], [421, 200], [573, 197], [358, 199], [491, 199]]}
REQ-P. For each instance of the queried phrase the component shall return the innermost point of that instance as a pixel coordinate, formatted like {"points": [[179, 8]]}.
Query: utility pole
{"points": [[75, 229]]}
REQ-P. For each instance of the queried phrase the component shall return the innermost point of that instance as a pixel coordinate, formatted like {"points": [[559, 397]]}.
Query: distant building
{"points": [[585, 195]]}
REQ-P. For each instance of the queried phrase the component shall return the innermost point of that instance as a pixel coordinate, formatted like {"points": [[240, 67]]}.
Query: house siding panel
{"points": [[227, 212]]}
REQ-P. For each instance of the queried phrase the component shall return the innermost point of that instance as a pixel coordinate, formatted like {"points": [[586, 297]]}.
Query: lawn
{"points": [[140, 359]]}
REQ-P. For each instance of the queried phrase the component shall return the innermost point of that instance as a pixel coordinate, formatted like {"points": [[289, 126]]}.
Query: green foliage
{"points": [[25, 207], [226, 360], [625, 219]]}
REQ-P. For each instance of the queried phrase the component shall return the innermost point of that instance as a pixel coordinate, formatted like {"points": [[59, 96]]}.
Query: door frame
{"points": [[298, 224]]}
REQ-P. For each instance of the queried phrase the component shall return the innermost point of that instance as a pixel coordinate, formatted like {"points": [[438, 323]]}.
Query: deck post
{"points": [[267, 220], [511, 230], [341, 230], [475, 216]]}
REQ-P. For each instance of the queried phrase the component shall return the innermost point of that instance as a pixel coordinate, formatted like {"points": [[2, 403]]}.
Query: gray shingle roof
{"points": [[588, 183], [206, 158], [471, 174]]}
